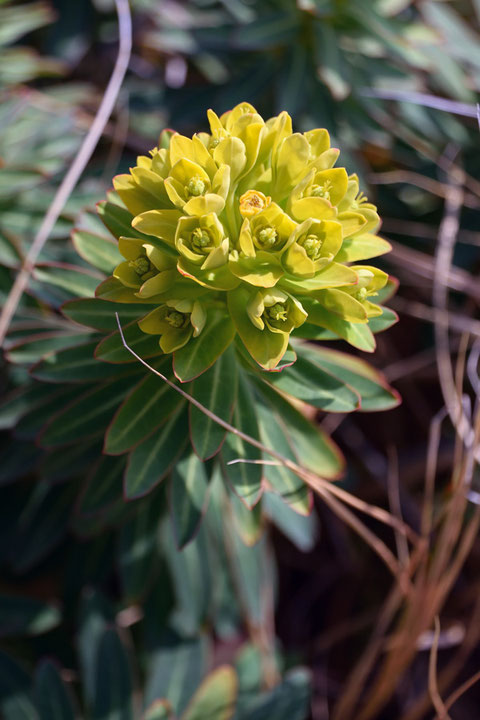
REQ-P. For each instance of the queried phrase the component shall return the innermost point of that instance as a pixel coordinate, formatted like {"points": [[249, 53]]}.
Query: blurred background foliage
{"points": [[100, 615]]}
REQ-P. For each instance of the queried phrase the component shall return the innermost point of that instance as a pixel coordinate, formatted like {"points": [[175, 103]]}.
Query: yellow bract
{"points": [[252, 217]]}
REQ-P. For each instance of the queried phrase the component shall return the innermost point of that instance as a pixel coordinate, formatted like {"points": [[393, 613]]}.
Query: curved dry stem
{"points": [[77, 167]]}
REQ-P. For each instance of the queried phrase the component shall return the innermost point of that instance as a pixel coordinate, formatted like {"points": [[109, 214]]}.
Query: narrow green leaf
{"points": [[119, 221], [113, 684], [158, 710], [282, 480], [98, 251], [146, 407], [248, 522], [103, 487], [150, 461], [85, 417], [137, 550], [301, 530], [77, 364], [215, 698], [42, 525], [32, 348], [26, 616], [76, 281], [245, 478], [95, 614], [100, 314], [374, 391], [288, 701], [192, 580], [357, 334], [313, 448], [18, 21], [111, 349], [52, 698], [17, 403], [201, 352], [188, 497], [383, 321], [15, 684], [317, 387], [216, 390], [175, 669]]}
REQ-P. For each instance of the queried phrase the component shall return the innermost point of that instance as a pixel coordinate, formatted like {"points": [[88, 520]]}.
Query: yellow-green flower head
{"points": [[253, 218]]}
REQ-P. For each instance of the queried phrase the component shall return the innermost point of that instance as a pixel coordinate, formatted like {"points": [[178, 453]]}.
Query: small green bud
{"points": [[362, 294], [276, 312], [141, 265], [313, 246], [214, 142], [267, 237], [200, 239], [196, 186], [176, 319], [322, 191]]}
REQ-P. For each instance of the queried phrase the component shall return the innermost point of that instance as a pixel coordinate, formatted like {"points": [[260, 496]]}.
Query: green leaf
{"points": [[146, 407], [249, 523], [192, 579], [23, 19], [42, 524], [301, 530], [374, 391], [383, 321], [288, 701], [32, 348], [267, 348], [362, 247], [119, 221], [100, 314], [188, 497], [215, 698], [201, 352], [98, 251], [313, 448], [111, 349], [16, 404], [175, 669], [254, 573], [77, 364], [86, 417], [282, 480], [56, 466], [315, 386], [26, 616], [216, 390], [137, 551], [158, 710], [76, 281], [357, 334], [15, 700], [269, 31], [113, 684], [104, 486], [95, 614], [52, 698], [245, 478], [151, 460]]}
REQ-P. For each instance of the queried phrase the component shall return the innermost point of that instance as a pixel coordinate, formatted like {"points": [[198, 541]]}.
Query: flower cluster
{"points": [[253, 221]]}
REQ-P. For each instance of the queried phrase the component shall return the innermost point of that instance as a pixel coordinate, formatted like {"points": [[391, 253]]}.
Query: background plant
{"points": [[405, 144]]}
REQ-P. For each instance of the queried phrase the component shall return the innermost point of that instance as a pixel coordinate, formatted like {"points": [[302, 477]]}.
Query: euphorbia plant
{"points": [[234, 249]]}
